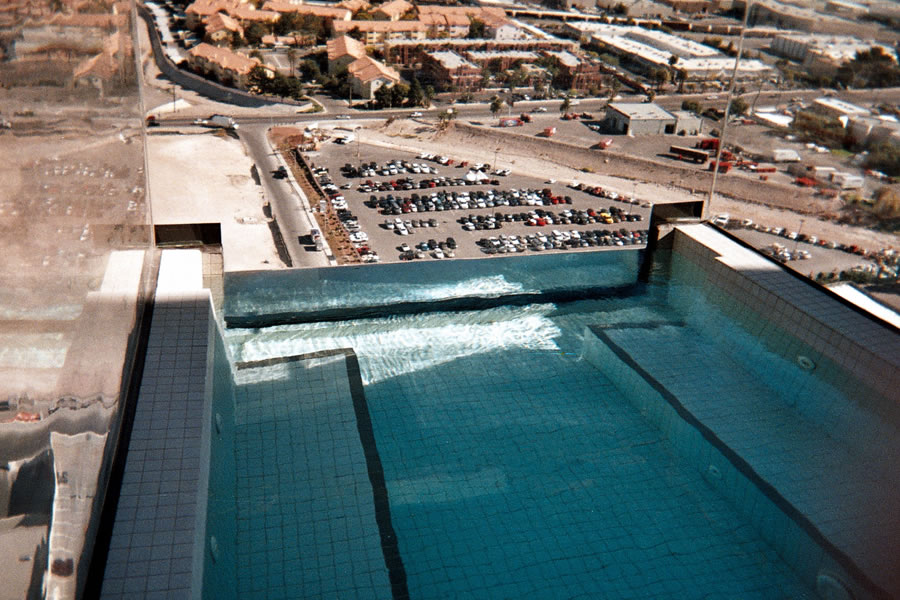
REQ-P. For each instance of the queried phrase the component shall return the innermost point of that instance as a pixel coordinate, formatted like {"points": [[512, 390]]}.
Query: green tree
{"points": [[673, 60], [476, 29], [259, 79], [691, 105], [416, 95], [496, 105], [383, 97], [254, 33], [884, 157], [399, 94], [565, 105], [289, 22], [681, 76], [309, 70], [871, 68], [739, 106], [615, 86], [660, 76]]}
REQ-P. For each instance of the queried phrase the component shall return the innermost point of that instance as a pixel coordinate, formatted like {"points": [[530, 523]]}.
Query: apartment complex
{"points": [[226, 66], [448, 70]]}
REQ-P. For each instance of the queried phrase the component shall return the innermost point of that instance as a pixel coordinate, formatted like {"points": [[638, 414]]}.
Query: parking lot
{"points": [[398, 205]]}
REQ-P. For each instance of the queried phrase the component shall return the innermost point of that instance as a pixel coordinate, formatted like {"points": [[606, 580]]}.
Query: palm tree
{"points": [[566, 105], [292, 56]]}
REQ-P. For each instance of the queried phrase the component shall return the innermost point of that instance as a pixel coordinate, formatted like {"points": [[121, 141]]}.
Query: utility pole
{"points": [[174, 105]]}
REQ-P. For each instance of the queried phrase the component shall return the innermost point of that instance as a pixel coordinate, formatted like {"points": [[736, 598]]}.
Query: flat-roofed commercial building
{"points": [[638, 119], [645, 50], [821, 54]]}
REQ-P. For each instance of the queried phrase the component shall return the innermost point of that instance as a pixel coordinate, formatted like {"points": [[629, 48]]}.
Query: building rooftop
{"points": [[450, 60], [565, 58], [489, 54], [378, 26], [641, 111], [394, 9], [367, 69], [224, 57], [837, 105], [328, 12], [344, 45]]}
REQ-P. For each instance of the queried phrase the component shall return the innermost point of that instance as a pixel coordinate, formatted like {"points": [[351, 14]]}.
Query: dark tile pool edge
{"points": [[767, 489], [389, 546], [465, 303]]}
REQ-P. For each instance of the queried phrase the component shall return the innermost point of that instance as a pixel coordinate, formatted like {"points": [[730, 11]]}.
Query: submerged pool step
{"points": [[824, 508]]}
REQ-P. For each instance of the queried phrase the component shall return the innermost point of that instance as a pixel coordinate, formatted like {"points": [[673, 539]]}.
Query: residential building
{"points": [[199, 10], [222, 29], [246, 13], [378, 32], [393, 10], [409, 53], [575, 73], [228, 67], [500, 60], [691, 6], [281, 41], [342, 51], [454, 21], [452, 25], [354, 6], [448, 70], [638, 119], [329, 13], [367, 75]]}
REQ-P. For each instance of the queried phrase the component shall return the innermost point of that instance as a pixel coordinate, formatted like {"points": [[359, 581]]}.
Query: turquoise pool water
{"points": [[478, 454]]}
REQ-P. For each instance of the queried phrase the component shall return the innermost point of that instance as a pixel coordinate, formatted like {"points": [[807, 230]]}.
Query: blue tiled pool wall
{"points": [[723, 305], [719, 467], [307, 526], [219, 556], [305, 295]]}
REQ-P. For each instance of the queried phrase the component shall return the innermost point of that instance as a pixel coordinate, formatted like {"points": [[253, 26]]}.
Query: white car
{"points": [[343, 117], [541, 109], [404, 247], [359, 237], [415, 115], [438, 253]]}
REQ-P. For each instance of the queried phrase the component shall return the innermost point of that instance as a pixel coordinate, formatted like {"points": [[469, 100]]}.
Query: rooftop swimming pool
{"points": [[530, 427]]}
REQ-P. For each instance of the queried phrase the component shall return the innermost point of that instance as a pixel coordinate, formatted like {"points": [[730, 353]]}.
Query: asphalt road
{"points": [[293, 220]]}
